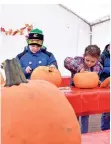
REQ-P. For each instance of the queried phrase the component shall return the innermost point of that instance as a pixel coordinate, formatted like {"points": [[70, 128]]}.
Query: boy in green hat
{"points": [[34, 55]]}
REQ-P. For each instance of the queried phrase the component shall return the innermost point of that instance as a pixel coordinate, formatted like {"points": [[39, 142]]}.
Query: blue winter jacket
{"points": [[105, 61], [41, 58]]}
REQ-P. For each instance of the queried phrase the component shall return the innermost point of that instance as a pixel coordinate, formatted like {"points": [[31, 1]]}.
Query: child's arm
{"points": [[98, 68], [106, 70], [73, 64], [102, 57]]}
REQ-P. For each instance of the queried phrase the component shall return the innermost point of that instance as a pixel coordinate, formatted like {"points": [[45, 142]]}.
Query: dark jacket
{"points": [[41, 58], [105, 61]]}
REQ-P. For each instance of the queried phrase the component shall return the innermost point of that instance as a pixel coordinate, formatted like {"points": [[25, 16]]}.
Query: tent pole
{"points": [[99, 22], [90, 35], [74, 13]]}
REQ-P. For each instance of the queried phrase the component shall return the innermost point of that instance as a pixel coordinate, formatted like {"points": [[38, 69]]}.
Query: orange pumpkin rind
{"points": [[50, 74], [86, 79], [36, 112], [105, 83]]}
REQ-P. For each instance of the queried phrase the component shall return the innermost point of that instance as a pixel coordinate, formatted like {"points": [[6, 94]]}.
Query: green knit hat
{"points": [[35, 37], [36, 31]]}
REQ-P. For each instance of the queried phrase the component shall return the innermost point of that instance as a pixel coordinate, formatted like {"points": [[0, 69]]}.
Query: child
{"points": [[105, 61], [89, 62], [34, 54]]}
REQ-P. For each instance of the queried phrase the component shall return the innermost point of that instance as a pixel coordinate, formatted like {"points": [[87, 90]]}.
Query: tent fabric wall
{"points": [[101, 34], [65, 34]]}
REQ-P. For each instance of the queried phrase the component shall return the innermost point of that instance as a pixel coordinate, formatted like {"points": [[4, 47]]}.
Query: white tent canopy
{"points": [[90, 10], [66, 34]]}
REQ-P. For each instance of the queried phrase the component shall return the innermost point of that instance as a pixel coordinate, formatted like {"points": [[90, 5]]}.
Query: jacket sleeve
{"points": [[72, 64], [22, 66], [22, 53], [98, 68], [106, 70], [18, 57], [52, 60], [102, 59]]}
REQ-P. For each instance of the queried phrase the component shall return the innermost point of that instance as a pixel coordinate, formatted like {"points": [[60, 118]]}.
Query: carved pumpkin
{"points": [[86, 80], [36, 112], [47, 73], [105, 83], [2, 81]]}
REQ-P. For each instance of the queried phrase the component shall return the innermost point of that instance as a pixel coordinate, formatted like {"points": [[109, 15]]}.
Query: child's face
{"points": [[90, 61], [34, 48]]}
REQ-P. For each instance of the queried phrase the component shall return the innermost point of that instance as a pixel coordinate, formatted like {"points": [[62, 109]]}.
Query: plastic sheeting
{"points": [[65, 81], [102, 137], [88, 101]]}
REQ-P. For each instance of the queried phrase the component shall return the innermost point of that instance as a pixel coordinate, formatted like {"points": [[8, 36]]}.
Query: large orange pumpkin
{"points": [[46, 73], [86, 80], [105, 83], [2, 81], [37, 112]]}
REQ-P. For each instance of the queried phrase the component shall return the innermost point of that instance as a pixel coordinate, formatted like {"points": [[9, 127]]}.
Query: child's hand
{"points": [[52, 66], [82, 68], [28, 70]]}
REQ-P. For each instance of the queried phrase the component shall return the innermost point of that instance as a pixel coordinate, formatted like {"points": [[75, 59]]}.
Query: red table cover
{"points": [[65, 81], [88, 101]]}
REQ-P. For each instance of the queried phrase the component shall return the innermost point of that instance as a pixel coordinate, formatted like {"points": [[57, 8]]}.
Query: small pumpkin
{"points": [[35, 112], [86, 79], [2, 81], [105, 83], [47, 73]]}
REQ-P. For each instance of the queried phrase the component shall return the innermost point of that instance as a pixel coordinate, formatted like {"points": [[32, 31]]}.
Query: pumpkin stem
{"points": [[13, 72], [51, 69]]}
